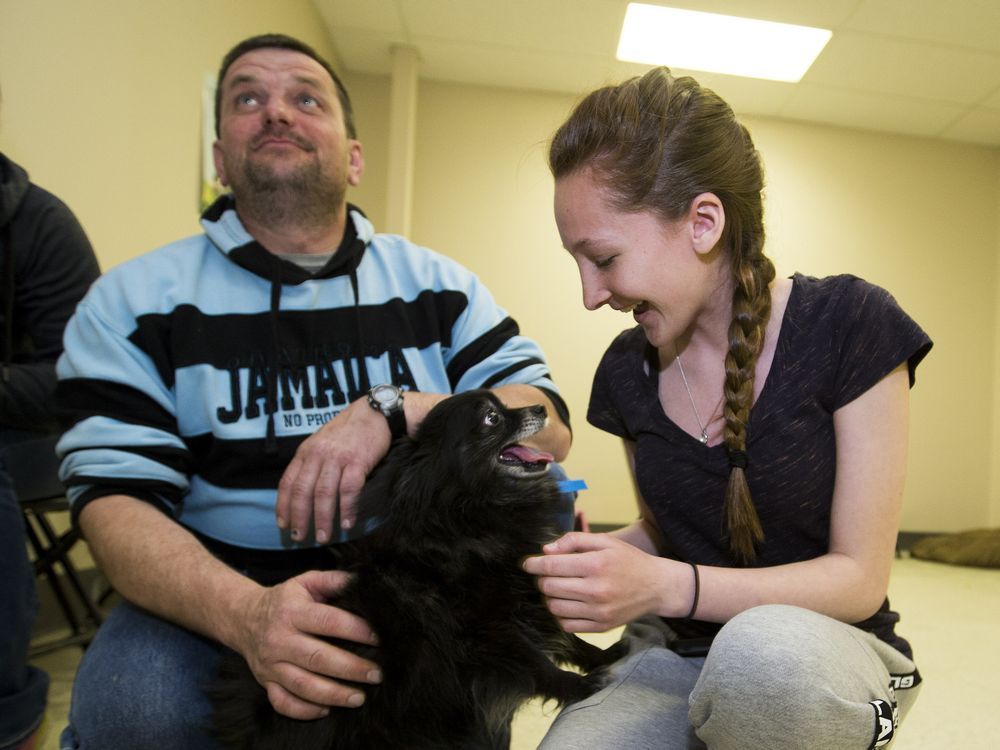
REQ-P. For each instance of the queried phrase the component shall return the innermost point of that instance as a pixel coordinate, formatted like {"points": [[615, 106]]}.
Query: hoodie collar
{"points": [[223, 226]]}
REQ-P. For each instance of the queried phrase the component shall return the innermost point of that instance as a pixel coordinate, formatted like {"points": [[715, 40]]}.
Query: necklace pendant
{"points": [[704, 437]]}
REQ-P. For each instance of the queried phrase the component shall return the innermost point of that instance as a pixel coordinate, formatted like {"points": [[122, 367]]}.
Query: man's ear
{"points": [[220, 168], [355, 163], [707, 218]]}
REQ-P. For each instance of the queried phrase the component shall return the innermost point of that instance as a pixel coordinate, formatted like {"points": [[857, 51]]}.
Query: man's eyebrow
{"points": [[310, 81], [245, 78], [241, 79]]}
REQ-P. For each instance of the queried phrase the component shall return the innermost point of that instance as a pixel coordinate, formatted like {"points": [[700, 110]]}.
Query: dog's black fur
{"points": [[464, 634]]}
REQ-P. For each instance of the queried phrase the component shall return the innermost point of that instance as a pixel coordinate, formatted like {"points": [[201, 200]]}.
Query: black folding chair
{"points": [[33, 467]]}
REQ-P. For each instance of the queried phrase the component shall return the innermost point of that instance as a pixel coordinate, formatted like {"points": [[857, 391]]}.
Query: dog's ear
{"points": [[457, 428], [452, 420], [449, 436]]}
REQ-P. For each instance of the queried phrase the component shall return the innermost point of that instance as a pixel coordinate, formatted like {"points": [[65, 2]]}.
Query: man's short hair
{"points": [[282, 41]]}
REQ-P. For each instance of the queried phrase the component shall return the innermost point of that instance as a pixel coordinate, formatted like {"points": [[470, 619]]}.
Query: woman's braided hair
{"points": [[656, 142]]}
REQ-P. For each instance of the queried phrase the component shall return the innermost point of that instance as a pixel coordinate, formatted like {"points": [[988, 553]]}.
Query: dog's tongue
{"points": [[527, 455]]}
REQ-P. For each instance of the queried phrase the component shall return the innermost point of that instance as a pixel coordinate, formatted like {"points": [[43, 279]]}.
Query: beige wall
{"points": [[919, 217], [994, 519], [102, 104], [484, 195], [370, 98]]}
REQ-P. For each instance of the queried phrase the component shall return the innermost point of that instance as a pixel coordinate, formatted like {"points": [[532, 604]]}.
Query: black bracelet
{"points": [[697, 591]]}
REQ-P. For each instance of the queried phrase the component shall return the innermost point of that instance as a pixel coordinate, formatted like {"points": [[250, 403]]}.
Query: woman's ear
{"points": [[707, 218]]}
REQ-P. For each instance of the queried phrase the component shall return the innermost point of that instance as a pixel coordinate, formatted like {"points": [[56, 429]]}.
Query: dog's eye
{"points": [[491, 418]]}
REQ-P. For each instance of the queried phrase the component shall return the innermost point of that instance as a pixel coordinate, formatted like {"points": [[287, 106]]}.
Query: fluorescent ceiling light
{"points": [[714, 43]]}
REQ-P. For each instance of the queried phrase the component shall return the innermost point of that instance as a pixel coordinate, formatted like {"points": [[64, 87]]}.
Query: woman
{"points": [[766, 425]]}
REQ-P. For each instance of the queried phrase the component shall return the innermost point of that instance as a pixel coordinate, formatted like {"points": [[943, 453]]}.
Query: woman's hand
{"points": [[595, 582]]}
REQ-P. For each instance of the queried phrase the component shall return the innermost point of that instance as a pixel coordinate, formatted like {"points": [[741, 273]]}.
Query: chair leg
{"points": [[44, 563], [48, 553], [64, 543]]}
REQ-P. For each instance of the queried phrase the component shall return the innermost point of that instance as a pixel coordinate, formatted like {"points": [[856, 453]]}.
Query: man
{"points": [[46, 266], [229, 394]]}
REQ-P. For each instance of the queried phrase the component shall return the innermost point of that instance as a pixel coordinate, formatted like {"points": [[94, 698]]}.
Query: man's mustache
{"points": [[284, 134]]}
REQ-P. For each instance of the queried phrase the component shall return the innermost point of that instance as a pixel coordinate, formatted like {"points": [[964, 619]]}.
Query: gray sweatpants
{"points": [[776, 677]]}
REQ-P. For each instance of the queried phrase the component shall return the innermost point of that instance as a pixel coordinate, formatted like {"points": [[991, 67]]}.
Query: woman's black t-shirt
{"points": [[839, 336]]}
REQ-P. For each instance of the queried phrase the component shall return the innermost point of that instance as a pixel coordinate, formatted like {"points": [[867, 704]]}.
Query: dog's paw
{"points": [[583, 686], [597, 679], [613, 653], [600, 675]]}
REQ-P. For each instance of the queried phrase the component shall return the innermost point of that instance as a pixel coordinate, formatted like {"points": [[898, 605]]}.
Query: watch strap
{"points": [[391, 410], [397, 422]]}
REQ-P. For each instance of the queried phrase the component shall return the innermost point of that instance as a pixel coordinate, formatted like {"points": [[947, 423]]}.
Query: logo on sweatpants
{"points": [[905, 681], [885, 723]]}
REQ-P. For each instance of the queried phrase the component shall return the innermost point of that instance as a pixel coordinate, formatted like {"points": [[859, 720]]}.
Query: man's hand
{"points": [[330, 467], [281, 642], [279, 630]]}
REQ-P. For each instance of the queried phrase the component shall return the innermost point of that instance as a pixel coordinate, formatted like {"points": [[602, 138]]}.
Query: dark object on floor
{"points": [[465, 637], [33, 467], [51, 549], [978, 547]]}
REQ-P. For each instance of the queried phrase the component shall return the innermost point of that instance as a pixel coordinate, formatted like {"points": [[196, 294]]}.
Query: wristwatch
{"points": [[388, 399]]}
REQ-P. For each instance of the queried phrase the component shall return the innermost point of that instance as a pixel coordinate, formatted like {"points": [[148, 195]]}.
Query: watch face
{"points": [[385, 394], [388, 399]]}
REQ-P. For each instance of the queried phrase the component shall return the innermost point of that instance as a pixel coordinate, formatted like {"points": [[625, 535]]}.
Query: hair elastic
{"points": [[697, 591], [737, 459]]}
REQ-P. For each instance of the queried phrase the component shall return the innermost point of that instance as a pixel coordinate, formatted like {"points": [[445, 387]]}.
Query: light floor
{"points": [[951, 615]]}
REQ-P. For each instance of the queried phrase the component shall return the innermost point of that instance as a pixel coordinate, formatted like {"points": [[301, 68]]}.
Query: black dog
{"points": [[464, 634]]}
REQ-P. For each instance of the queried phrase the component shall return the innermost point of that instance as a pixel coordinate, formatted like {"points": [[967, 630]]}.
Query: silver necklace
{"points": [[702, 427]]}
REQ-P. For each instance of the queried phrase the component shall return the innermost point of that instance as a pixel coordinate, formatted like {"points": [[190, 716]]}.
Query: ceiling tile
{"points": [[573, 26], [366, 51], [892, 66], [497, 65], [974, 24], [977, 126], [375, 15], [859, 109]]}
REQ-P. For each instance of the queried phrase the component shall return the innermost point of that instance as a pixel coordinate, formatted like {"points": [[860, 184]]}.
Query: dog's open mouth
{"points": [[525, 459]]}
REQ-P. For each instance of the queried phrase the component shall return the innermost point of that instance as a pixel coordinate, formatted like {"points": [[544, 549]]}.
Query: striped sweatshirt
{"points": [[191, 374]]}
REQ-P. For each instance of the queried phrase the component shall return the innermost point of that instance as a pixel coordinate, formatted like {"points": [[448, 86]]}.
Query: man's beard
{"points": [[304, 197]]}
